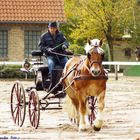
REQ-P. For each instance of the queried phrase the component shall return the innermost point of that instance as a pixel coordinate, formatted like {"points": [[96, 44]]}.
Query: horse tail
{"points": [[70, 108]]}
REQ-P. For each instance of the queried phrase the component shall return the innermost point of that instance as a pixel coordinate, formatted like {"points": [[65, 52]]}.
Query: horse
{"points": [[137, 53], [85, 77]]}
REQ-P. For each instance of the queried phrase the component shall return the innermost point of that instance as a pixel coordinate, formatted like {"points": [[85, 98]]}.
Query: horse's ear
{"points": [[88, 41], [101, 42]]}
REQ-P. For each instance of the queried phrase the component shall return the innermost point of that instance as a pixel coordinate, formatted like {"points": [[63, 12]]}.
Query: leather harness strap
{"points": [[86, 77], [78, 76]]}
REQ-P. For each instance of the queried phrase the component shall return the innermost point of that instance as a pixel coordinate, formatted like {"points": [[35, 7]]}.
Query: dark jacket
{"points": [[47, 41]]}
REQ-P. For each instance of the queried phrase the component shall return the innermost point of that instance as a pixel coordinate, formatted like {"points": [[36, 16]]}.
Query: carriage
{"points": [[52, 87]]}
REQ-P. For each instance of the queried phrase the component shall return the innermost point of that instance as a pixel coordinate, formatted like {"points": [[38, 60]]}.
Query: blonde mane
{"points": [[94, 46]]}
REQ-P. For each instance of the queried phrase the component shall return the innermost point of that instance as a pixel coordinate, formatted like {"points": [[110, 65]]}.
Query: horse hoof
{"points": [[82, 128], [96, 128]]}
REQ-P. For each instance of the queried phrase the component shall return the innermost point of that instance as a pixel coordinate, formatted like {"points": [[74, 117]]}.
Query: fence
{"points": [[115, 63]]}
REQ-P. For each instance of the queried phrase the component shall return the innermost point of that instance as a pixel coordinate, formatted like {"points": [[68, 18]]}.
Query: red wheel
{"points": [[92, 102], [18, 103], [34, 108]]}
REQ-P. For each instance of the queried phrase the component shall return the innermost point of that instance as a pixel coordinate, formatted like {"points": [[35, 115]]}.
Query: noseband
{"points": [[94, 61]]}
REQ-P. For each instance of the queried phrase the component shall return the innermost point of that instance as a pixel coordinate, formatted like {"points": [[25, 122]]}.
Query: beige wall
{"points": [[16, 44], [16, 39], [119, 52]]}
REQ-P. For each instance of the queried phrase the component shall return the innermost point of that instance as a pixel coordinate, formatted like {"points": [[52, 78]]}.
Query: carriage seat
{"points": [[37, 53]]}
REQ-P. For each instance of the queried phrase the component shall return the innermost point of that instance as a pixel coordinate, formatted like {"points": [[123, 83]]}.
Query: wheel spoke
{"points": [[16, 115], [15, 109], [19, 95], [32, 114], [21, 115], [16, 90], [15, 97], [32, 118], [36, 118]]}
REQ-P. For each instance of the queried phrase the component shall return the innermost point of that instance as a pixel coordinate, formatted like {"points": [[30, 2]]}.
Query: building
{"points": [[21, 24]]}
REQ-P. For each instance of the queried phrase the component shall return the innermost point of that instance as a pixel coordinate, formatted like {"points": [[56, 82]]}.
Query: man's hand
{"points": [[49, 50], [64, 47]]}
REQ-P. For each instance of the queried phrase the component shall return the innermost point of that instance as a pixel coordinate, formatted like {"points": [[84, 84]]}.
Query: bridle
{"points": [[94, 61]]}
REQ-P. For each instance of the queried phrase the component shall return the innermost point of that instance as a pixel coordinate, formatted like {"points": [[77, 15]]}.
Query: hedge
{"points": [[13, 71]]}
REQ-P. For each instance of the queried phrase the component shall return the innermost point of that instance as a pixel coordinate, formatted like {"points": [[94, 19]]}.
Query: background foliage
{"points": [[106, 19]]}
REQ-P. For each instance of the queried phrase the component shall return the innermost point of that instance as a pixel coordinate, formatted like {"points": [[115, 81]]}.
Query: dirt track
{"points": [[121, 121]]}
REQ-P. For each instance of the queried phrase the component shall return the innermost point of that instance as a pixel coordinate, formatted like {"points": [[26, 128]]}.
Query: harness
{"points": [[78, 76], [76, 68]]}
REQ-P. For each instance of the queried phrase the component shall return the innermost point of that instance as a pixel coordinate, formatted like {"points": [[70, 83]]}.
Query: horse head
{"points": [[137, 53], [95, 56]]}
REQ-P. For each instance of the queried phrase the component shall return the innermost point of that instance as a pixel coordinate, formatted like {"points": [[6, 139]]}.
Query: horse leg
{"points": [[82, 112], [76, 116], [99, 120], [71, 106]]}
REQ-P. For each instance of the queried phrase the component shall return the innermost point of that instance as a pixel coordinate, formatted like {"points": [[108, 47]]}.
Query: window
{"points": [[31, 39], [3, 43], [128, 51]]}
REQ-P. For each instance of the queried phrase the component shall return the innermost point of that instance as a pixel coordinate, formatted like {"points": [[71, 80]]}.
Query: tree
{"points": [[101, 19]]}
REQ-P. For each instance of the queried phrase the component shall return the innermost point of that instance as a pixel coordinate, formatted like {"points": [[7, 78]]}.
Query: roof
{"points": [[31, 10]]}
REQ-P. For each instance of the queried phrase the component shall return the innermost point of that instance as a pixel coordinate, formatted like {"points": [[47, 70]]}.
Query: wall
{"points": [[16, 39]]}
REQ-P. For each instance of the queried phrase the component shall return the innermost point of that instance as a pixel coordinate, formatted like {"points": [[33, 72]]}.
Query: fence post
{"points": [[116, 72]]}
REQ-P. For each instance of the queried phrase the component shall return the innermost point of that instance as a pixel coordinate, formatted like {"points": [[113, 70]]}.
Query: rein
{"points": [[60, 54]]}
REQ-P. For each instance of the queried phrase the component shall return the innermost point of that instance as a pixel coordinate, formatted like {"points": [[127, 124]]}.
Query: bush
{"points": [[13, 71]]}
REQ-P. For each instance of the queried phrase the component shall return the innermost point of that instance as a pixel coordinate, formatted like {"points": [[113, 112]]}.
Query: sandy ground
{"points": [[121, 116]]}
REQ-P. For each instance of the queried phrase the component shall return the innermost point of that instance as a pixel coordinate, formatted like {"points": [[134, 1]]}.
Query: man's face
{"points": [[53, 30]]}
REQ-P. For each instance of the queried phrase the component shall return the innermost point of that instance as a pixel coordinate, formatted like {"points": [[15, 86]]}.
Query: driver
{"points": [[54, 41]]}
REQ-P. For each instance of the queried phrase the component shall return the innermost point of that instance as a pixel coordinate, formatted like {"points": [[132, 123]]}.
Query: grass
{"points": [[132, 71]]}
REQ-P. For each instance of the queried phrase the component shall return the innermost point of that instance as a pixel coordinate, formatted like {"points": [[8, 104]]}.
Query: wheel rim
{"points": [[92, 101], [34, 108], [18, 103]]}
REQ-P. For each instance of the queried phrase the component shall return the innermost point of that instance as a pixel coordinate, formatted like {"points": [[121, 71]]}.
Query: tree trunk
{"points": [[110, 44]]}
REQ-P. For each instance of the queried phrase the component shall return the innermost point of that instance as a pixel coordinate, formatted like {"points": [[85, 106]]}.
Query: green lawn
{"points": [[132, 71]]}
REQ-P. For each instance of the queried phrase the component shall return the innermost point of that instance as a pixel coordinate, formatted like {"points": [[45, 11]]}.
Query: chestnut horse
{"points": [[85, 77], [137, 53]]}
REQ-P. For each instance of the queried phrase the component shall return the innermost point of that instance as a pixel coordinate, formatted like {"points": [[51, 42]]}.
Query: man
{"points": [[54, 41]]}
